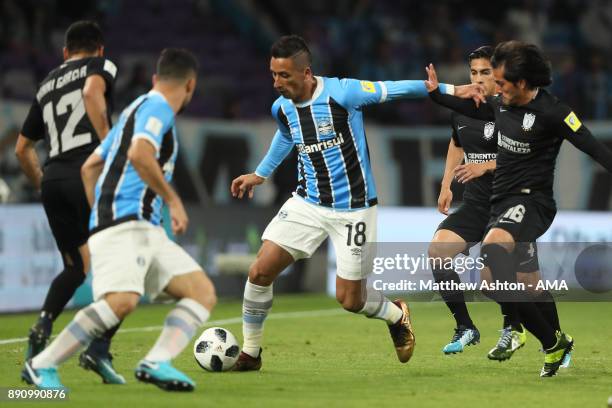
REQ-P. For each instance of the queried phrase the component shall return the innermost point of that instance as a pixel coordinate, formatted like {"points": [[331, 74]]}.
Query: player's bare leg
{"points": [[447, 244], [197, 299], [354, 297], [270, 262]]}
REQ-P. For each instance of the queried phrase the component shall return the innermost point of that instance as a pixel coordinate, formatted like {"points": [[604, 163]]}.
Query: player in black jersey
{"points": [[531, 125], [71, 112], [475, 141]]}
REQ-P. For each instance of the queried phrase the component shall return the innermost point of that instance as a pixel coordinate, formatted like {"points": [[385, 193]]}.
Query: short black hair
{"points": [[486, 52], [523, 61], [289, 46], [176, 63], [84, 36]]}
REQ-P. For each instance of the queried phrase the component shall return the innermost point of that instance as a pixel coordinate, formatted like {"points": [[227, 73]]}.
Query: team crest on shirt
{"points": [[528, 120], [325, 127], [489, 129]]}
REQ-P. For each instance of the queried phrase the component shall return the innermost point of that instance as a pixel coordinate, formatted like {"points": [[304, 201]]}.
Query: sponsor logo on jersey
{"points": [[282, 214], [479, 157], [572, 121], [512, 145], [489, 129], [317, 147], [528, 121], [325, 127]]}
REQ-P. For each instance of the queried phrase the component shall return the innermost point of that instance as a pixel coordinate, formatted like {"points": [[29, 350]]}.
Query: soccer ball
{"points": [[216, 349]]}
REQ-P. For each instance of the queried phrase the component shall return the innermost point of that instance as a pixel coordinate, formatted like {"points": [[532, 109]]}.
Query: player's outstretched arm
{"points": [[95, 104], [573, 130], [142, 156], [468, 100], [28, 160], [454, 157]]}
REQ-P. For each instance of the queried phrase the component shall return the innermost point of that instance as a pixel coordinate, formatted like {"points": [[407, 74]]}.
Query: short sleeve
{"points": [[34, 126], [104, 148], [103, 67], [455, 134], [153, 120]]}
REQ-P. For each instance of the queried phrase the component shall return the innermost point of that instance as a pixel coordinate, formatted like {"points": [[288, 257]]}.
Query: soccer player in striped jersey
{"points": [[335, 197], [71, 112], [131, 253]]}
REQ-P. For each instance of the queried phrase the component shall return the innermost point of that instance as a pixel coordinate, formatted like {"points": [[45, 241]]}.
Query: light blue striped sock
{"points": [[256, 304], [88, 323], [377, 306]]}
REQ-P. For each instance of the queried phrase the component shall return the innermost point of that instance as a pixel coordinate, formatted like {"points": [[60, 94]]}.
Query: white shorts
{"points": [[301, 227], [136, 256]]}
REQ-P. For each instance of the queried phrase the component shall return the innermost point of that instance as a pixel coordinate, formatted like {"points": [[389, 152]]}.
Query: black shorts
{"points": [[67, 211], [471, 220], [526, 218]]}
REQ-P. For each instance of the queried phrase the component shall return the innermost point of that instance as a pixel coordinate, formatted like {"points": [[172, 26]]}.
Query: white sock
{"points": [[179, 327], [88, 323], [256, 304], [377, 306]]}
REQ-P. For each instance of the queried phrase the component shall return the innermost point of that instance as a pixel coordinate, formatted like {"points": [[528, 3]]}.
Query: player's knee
{"points": [[436, 251], [122, 304], [203, 291], [259, 275]]}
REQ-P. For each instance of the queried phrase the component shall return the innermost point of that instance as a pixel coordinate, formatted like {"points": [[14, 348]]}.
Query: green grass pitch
{"points": [[327, 357]]}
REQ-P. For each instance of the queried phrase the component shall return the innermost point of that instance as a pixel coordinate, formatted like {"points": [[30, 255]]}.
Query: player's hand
{"points": [[471, 91], [178, 215], [444, 200], [245, 184], [469, 171], [431, 83]]}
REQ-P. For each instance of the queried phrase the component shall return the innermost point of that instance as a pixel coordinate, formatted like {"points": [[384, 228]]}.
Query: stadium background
{"points": [[227, 128], [340, 359]]}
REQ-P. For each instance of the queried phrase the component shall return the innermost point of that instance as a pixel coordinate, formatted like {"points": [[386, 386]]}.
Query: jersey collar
{"points": [[154, 92], [315, 95]]}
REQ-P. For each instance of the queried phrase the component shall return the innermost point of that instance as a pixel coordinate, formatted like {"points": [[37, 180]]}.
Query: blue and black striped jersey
{"points": [[120, 194], [328, 132]]}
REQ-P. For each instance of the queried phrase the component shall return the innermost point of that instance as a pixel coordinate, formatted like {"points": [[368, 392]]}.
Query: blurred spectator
{"points": [[138, 84], [598, 86]]}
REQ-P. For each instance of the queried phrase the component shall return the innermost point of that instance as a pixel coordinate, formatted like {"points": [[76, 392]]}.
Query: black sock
{"points": [[454, 299], [61, 290], [101, 345], [535, 322], [511, 315], [546, 303]]}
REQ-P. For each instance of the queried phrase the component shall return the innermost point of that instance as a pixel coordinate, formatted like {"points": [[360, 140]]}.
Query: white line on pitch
{"points": [[233, 320]]}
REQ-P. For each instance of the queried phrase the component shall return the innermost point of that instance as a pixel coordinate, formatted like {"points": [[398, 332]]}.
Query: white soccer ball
{"points": [[216, 349]]}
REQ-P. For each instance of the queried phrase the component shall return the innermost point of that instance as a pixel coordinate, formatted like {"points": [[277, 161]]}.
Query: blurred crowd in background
{"points": [[366, 39]]}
